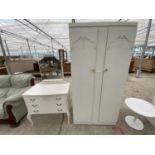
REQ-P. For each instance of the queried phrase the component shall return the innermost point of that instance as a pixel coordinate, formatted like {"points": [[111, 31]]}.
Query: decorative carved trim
{"points": [[83, 39]]}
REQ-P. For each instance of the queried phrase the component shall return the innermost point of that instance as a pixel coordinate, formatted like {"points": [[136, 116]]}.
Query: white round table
{"points": [[140, 107]]}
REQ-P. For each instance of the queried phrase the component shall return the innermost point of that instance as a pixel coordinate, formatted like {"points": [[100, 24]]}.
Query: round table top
{"points": [[141, 107]]}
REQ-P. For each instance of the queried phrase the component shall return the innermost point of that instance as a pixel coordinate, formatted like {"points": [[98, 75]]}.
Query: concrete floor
{"points": [[143, 87]]}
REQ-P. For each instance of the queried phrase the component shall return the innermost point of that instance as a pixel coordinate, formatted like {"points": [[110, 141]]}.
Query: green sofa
{"points": [[12, 106]]}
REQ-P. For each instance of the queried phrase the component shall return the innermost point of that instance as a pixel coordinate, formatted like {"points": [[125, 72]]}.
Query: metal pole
{"points": [[49, 50], [42, 31], [62, 69], [66, 55], [5, 57], [152, 51], [21, 37], [7, 48], [37, 54], [29, 47], [19, 54], [144, 48], [73, 20], [52, 46], [21, 50]]}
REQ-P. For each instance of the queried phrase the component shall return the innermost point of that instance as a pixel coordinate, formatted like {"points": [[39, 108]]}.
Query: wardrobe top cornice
{"points": [[102, 24]]}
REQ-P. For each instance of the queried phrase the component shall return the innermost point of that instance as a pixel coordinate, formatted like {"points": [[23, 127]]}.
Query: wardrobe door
{"points": [[83, 54], [118, 56], [98, 70]]}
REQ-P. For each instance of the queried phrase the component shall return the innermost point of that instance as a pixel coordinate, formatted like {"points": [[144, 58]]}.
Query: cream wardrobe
{"points": [[100, 54]]}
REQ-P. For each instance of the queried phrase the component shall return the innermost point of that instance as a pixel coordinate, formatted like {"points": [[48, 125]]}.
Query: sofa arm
{"points": [[16, 99], [13, 101]]}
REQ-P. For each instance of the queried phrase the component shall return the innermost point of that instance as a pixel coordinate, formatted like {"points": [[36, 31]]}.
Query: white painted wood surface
{"points": [[83, 61], [141, 107], [47, 97], [118, 56], [100, 54], [48, 88]]}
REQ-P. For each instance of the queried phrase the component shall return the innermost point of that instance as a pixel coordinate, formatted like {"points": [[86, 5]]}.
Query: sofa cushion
{"points": [[21, 81], [3, 92], [15, 95], [13, 91], [5, 81]]}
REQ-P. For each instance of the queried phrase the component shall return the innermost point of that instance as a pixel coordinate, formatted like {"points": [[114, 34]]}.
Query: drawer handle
{"points": [[59, 104], [34, 105], [32, 99], [35, 110], [58, 98], [59, 110], [105, 70]]}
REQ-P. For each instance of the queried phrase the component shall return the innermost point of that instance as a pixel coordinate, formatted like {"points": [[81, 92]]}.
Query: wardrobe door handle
{"points": [[93, 70], [105, 70]]}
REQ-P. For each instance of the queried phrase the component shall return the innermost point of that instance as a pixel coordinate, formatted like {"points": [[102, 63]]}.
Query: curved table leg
{"points": [[68, 116], [134, 122], [30, 119]]}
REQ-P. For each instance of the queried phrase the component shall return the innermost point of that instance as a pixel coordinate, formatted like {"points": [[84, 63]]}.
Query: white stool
{"points": [[140, 107]]}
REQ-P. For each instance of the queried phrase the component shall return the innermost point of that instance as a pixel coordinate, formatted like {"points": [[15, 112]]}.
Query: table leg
{"points": [[30, 119], [68, 116]]}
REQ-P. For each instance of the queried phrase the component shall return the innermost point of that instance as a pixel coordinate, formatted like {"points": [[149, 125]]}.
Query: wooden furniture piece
{"points": [[48, 97], [140, 107], [67, 68], [131, 68], [3, 71], [61, 55], [65, 63], [148, 65], [101, 54], [36, 66], [50, 65]]}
